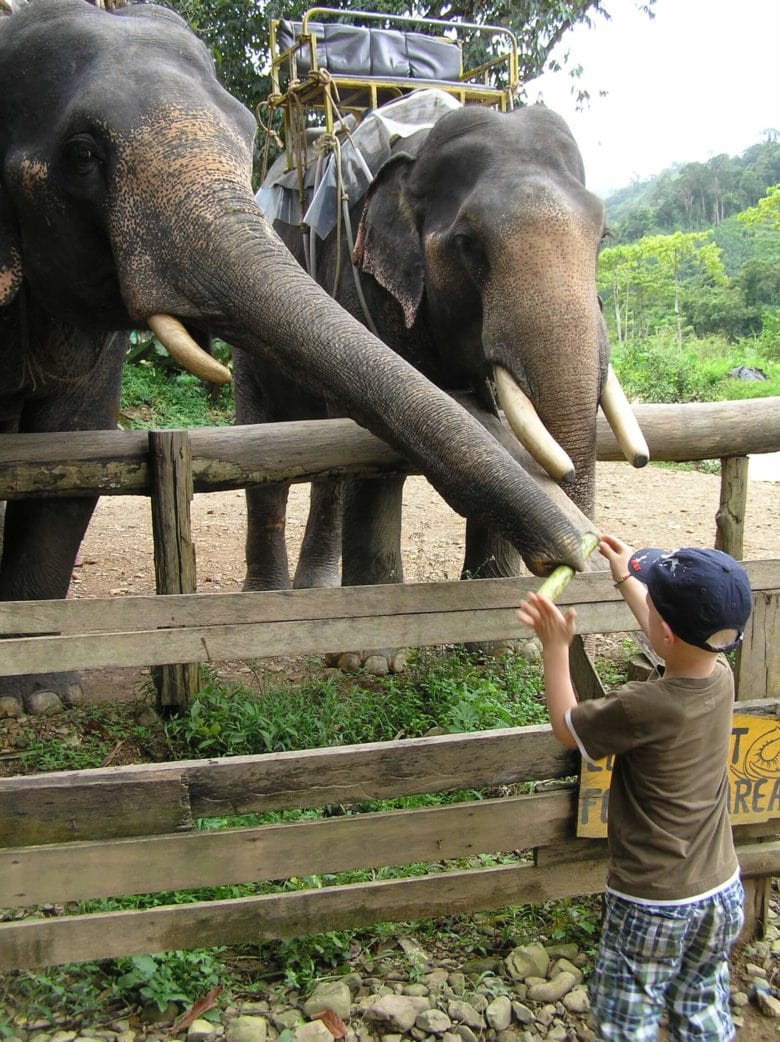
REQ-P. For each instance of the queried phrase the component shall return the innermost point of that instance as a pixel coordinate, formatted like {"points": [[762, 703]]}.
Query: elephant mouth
{"points": [[181, 345], [532, 434]]}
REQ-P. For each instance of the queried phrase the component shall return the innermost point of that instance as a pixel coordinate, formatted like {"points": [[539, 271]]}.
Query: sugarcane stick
{"points": [[557, 581]]}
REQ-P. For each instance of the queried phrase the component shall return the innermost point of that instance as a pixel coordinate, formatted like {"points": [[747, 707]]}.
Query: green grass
{"points": [[167, 398]]}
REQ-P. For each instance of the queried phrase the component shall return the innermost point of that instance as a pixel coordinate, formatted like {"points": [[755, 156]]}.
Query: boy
{"points": [[673, 900]]}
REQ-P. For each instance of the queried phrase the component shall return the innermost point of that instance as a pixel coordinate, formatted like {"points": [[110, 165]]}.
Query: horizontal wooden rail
{"points": [[214, 627], [116, 462], [250, 920]]}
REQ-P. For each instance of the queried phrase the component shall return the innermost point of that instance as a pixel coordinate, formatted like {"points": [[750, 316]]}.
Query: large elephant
{"points": [[125, 195], [476, 246]]}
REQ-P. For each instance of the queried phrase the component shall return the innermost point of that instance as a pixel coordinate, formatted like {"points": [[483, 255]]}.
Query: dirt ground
{"points": [[655, 506]]}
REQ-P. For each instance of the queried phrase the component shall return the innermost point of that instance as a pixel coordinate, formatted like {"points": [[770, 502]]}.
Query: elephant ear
{"points": [[388, 244], [10, 254]]}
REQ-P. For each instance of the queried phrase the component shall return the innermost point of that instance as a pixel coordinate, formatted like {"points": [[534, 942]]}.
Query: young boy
{"points": [[673, 901]]}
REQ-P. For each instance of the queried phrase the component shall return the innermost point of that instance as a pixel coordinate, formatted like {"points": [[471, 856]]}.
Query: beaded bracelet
{"points": [[619, 581]]}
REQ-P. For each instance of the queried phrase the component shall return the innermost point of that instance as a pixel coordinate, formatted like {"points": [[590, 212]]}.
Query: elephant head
{"points": [[125, 195], [485, 234]]}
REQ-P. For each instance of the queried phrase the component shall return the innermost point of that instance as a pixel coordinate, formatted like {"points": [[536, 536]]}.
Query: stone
{"points": [[416, 954], [10, 707], [244, 1028], [464, 1033], [435, 980], [739, 999], [522, 1013], [527, 960], [397, 1011], [288, 1019], [201, 1029], [552, 990], [499, 1013], [477, 967], [577, 1000], [433, 1021], [564, 965], [333, 995], [464, 1013], [415, 990], [557, 1033], [457, 981], [561, 951], [768, 1004], [313, 1031], [63, 1036]]}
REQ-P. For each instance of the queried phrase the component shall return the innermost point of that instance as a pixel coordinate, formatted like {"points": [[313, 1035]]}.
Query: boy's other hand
{"points": [[617, 553], [551, 626]]}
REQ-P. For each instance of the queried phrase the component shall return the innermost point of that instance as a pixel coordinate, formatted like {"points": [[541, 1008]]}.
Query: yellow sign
{"points": [[754, 778]]}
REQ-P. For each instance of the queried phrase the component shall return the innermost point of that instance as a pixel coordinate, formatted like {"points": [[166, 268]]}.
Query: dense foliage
{"points": [[696, 195]]}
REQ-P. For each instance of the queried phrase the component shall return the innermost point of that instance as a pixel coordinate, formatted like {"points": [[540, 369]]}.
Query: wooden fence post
{"points": [[170, 460], [730, 518]]}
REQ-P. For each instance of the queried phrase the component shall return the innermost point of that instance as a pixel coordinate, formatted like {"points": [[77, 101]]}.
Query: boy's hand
{"points": [[551, 626], [617, 553]]}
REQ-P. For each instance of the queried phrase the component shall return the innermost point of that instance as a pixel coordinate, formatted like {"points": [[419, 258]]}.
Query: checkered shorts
{"points": [[666, 958]]}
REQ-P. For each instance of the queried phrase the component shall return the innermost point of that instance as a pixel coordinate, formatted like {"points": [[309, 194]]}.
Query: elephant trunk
{"points": [[208, 256]]}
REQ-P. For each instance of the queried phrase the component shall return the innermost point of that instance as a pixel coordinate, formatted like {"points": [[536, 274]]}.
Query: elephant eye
{"points": [[81, 155]]}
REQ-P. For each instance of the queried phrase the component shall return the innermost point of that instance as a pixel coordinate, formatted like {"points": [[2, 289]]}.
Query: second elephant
{"points": [[476, 245]]}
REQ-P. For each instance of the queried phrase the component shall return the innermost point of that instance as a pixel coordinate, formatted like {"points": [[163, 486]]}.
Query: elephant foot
{"points": [[378, 662], [40, 695], [530, 650]]}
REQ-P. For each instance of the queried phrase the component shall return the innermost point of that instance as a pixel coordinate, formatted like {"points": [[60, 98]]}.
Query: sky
{"points": [[697, 80]]}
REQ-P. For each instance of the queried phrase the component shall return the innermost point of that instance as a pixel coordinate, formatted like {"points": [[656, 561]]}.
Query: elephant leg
{"points": [[267, 567], [490, 556], [40, 541], [371, 555], [318, 561]]}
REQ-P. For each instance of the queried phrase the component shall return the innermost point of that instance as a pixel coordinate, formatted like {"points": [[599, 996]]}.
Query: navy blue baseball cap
{"points": [[699, 593]]}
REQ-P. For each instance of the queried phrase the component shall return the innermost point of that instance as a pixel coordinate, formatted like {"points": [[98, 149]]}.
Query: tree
{"points": [[644, 278], [766, 210], [237, 30]]}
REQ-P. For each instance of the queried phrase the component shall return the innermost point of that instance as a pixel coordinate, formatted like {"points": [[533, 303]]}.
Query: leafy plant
{"points": [[176, 976]]}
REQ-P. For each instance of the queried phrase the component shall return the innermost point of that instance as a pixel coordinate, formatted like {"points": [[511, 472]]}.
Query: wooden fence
{"points": [[70, 836]]}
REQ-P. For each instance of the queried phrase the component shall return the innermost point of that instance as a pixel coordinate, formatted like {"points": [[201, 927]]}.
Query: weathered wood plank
{"points": [[758, 672], [115, 614], [115, 462], [250, 920], [311, 778], [278, 781], [72, 805], [75, 871], [217, 643]]}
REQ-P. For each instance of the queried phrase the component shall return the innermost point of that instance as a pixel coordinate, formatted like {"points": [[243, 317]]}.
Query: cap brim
{"points": [[641, 561]]}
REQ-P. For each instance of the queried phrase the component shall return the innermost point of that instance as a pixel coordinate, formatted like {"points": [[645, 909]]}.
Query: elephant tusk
{"points": [[620, 416], [529, 430], [180, 345]]}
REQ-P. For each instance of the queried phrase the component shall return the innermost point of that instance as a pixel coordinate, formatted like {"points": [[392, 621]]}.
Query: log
{"points": [[86, 463], [730, 518]]}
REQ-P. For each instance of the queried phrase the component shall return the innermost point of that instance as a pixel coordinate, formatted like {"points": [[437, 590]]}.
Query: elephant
{"points": [[126, 202], [476, 245]]}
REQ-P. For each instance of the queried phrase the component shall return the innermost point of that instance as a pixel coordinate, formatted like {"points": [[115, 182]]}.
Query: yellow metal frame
{"points": [[356, 94]]}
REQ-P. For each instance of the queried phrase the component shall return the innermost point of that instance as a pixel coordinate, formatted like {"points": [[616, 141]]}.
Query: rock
{"points": [[738, 999], [457, 981], [768, 1004], [43, 703], [416, 954], [10, 707], [435, 980], [557, 1033], [577, 1000], [288, 1019], [476, 967], [464, 1033], [417, 991], [527, 960], [314, 1031], [245, 1028], [397, 1011], [561, 951], [499, 1013], [564, 966], [522, 1013], [433, 1021], [332, 995], [201, 1029], [63, 1036], [552, 990], [464, 1013]]}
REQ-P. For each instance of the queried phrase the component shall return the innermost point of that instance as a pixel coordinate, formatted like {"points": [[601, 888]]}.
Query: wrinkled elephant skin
{"points": [[125, 194], [477, 245]]}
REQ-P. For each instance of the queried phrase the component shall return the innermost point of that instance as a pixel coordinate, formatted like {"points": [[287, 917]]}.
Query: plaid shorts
{"points": [[666, 958]]}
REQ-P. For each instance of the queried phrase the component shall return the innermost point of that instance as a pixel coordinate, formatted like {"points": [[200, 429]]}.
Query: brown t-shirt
{"points": [[668, 824]]}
